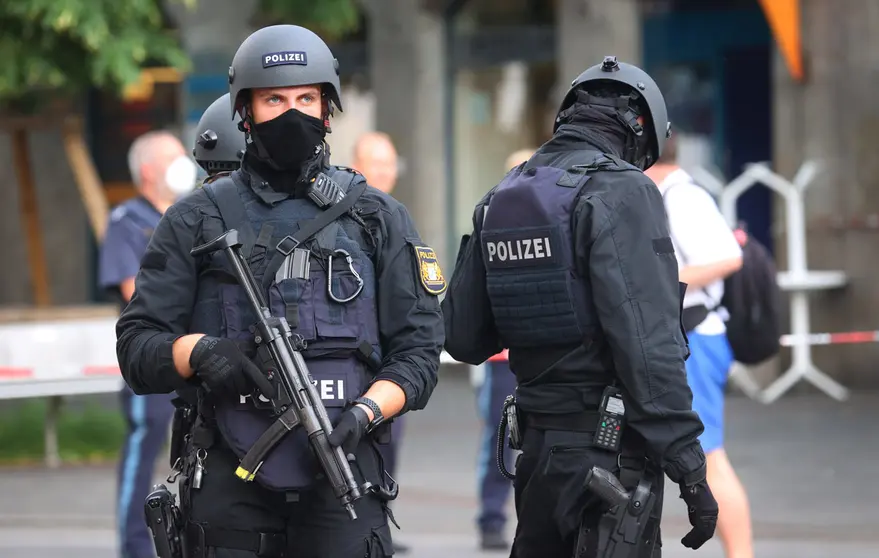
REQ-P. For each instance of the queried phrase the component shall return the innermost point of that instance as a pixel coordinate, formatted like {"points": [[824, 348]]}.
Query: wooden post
{"points": [[30, 217], [87, 180]]}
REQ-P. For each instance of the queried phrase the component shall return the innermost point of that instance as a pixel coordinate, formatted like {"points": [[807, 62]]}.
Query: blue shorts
{"points": [[707, 371]]}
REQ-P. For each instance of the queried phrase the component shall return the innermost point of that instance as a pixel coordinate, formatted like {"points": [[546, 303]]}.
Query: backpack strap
{"points": [[224, 195], [715, 304]]}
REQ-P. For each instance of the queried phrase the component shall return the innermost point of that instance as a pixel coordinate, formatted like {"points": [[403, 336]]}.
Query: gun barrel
{"points": [[605, 485]]}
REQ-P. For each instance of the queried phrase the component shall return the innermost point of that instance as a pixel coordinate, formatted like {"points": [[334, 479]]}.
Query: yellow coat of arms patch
{"points": [[430, 271]]}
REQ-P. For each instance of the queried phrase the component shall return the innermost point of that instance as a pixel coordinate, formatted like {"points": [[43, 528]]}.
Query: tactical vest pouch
{"points": [[323, 323], [291, 465], [284, 300]]}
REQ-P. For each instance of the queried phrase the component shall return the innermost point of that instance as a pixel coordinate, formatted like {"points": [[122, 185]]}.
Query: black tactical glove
{"points": [[349, 429], [223, 368], [701, 509]]}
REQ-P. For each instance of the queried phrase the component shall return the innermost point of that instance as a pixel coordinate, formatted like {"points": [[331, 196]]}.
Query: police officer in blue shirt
{"points": [[362, 291], [161, 172], [570, 266]]}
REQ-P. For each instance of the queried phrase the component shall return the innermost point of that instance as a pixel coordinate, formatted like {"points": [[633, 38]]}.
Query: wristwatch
{"points": [[377, 418]]}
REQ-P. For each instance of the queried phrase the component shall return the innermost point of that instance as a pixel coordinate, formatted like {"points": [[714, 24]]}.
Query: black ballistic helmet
{"points": [[219, 143], [283, 56], [644, 93]]}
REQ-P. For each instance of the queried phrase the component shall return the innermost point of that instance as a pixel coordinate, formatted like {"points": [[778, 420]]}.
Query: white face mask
{"points": [[180, 176]]}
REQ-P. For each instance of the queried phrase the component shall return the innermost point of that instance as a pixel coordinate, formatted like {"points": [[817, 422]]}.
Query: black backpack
{"points": [[752, 298]]}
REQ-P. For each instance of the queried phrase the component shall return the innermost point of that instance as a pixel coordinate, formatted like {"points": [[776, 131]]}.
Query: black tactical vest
{"points": [[333, 330], [537, 295]]}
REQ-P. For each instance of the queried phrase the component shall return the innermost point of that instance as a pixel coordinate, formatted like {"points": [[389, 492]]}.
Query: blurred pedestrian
{"points": [[494, 488], [375, 157], [162, 173], [707, 252]]}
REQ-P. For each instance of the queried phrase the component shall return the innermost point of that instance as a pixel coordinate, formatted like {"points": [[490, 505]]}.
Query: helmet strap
{"points": [[327, 113], [635, 148]]}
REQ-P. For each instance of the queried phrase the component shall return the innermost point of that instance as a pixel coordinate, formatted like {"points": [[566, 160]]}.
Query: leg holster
{"points": [[618, 533]]}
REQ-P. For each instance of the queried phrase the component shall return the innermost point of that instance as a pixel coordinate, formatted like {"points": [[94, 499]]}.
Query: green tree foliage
{"points": [[68, 45], [65, 46], [329, 18]]}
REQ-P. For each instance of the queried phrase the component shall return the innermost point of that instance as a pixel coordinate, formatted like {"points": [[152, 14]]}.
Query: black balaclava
{"points": [[608, 117], [289, 140], [288, 150]]}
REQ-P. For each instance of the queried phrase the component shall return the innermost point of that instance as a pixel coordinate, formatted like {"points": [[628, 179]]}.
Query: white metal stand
{"points": [[798, 280]]}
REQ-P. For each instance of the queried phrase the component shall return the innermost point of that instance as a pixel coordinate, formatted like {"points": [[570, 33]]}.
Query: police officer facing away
{"points": [[161, 172], [570, 266], [219, 142], [367, 308]]}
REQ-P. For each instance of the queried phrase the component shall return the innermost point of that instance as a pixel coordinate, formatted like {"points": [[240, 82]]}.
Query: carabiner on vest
{"points": [[350, 268]]}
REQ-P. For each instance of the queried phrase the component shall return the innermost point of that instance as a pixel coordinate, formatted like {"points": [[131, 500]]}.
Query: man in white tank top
{"points": [[707, 252]]}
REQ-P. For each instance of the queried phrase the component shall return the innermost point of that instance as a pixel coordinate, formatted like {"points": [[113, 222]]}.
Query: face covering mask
{"points": [[180, 176], [290, 139]]}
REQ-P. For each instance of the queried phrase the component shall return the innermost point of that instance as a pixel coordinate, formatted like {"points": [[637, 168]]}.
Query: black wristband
{"points": [[378, 417]]}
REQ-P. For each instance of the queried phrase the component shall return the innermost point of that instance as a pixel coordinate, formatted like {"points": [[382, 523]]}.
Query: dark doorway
{"points": [[747, 91]]}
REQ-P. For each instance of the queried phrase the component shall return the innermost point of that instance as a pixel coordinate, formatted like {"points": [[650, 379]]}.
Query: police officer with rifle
{"points": [[570, 266], [297, 308]]}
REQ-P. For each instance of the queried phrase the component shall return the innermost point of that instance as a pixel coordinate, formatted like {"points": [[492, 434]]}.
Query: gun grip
{"points": [[605, 485]]}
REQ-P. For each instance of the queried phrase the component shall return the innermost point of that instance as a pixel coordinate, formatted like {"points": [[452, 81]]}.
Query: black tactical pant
{"points": [[550, 495], [315, 526]]}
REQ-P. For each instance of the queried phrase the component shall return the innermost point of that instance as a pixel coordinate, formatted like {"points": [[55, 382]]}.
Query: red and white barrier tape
{"points": [[23, 373], [831, 338]]}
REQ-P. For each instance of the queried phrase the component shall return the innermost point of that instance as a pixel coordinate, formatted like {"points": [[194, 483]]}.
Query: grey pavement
{"points": [[807, 462]]}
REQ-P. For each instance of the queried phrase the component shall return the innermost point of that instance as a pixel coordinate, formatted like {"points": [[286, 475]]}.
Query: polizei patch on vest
{"points": [[332, 391], [429, 270], [294, 57], [522, 248]]}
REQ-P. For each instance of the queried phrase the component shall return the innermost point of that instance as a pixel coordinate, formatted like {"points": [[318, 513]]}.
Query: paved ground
{"points": [[808, 463]]}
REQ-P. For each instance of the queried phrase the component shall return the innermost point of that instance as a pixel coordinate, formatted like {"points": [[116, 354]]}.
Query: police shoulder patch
{"points": [[429, 270]]}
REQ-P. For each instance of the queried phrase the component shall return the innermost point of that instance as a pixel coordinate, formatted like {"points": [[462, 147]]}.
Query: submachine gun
{"points": [[295, 400], [622, 530]]}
